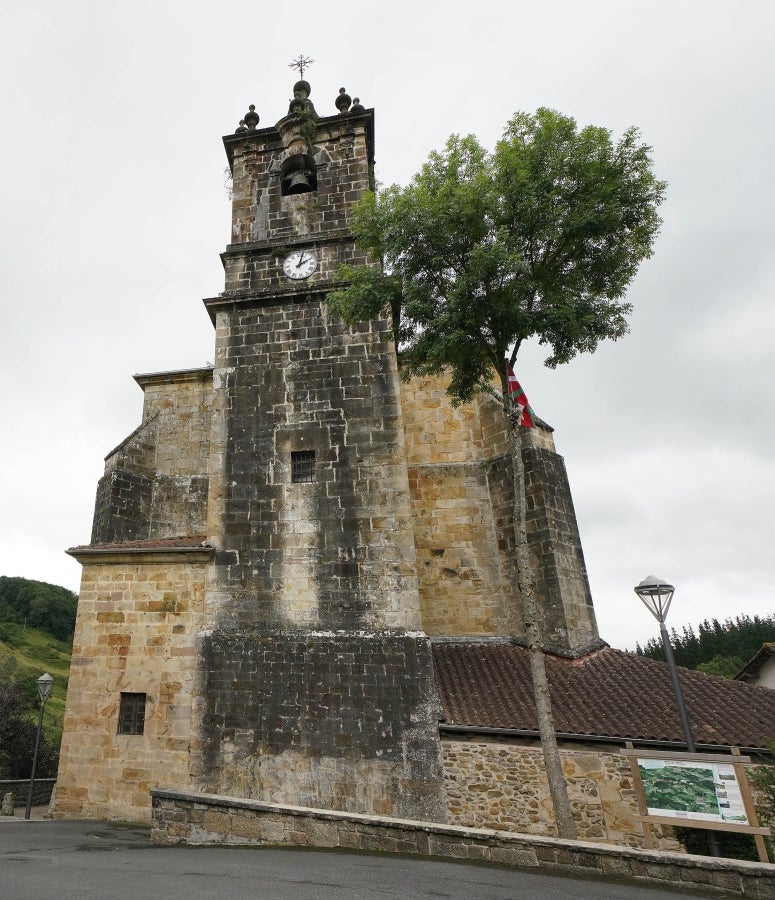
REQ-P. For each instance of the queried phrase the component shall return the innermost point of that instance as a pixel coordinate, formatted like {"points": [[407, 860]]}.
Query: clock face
{"points": [[300, 264]]}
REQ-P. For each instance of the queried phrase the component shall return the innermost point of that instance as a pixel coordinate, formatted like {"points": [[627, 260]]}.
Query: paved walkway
{"points": [[45, 858]]}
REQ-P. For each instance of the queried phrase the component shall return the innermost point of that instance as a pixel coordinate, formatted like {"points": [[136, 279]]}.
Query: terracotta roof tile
{"points": [[607, 693]]}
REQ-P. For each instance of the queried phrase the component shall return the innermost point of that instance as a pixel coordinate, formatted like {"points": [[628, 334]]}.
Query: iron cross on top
{"points": [[301, 63]]}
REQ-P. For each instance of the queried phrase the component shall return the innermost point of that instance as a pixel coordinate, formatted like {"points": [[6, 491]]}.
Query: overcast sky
{"points": [[113, 212]]}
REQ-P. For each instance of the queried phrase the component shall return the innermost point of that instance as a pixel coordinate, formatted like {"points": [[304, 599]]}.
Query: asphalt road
{"points": [[47, 859]]}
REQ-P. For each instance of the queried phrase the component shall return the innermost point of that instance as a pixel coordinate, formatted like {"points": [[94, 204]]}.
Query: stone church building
{"points": [[300, 582]]}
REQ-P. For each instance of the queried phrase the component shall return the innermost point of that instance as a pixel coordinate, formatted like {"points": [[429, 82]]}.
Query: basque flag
{"points": [[518, 398]]}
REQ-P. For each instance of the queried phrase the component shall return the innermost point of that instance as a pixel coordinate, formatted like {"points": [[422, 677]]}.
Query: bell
{"points": [[298, 183]]}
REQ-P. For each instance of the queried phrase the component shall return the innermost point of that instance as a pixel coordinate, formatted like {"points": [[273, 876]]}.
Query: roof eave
{"points": [[492, 731], [110, 555]]}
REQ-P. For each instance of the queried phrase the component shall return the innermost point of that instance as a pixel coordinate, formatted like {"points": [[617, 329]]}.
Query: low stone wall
{"points": [[20, 788], [200, 819]]}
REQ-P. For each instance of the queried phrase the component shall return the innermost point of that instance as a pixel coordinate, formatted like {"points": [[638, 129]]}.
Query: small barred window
{"points": [[131, 715], [303, 466]]}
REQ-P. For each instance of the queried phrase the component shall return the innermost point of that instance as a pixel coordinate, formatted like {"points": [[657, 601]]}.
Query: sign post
{"points": [[698, 790]]}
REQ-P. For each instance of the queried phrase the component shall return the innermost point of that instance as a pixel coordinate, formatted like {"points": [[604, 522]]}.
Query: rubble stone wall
{"points": [[503, 785]]}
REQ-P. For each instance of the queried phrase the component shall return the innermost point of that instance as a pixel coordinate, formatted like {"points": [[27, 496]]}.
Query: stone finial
{"points": [[343, 101], [301, 90], [301, 103], [251, 118], [242, 127], [357, 107]]}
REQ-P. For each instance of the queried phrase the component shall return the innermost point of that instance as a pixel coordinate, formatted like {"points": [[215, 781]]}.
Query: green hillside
{"points": [[26, 653], [36, 634]]}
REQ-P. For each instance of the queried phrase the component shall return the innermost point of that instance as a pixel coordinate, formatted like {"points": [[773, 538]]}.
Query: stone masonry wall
{"points": [[341, 721], [337, 552], [262, 216], [155, 482], [124, 494], [314, 587], [462, 497], [136, 632], [465, 585], [561, 583], [503, 785], [181, 402]]}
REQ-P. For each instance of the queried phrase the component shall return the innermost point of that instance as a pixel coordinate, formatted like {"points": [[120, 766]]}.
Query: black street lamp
{"points": [[45, 683], [657, 596]]}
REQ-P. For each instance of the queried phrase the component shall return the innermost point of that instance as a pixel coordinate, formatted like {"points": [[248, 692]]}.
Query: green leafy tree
{"points": [[484, 251], [726, 666], [18, 727]]}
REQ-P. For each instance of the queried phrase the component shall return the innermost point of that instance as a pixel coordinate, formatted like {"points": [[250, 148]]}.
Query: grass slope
{"points": [[37, 652]]}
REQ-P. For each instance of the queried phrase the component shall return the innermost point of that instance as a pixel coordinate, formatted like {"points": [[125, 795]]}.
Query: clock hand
{"points": [[301, 260]]}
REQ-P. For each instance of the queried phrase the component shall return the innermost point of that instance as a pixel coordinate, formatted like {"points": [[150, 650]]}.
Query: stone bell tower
{"points": [[315, 684]]}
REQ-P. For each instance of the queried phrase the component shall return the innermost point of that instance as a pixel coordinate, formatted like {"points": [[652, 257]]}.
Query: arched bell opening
{"points": [[298, 175]]}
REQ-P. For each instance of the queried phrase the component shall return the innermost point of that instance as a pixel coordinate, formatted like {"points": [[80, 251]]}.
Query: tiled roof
{"points": [[753, 668], [187, 542], [605, 694]]}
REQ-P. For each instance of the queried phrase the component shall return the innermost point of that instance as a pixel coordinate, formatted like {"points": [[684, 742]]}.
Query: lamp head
{"points": [[45, 684], [656, 595]]}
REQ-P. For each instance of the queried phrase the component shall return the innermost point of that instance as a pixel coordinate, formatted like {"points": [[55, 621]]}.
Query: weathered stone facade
{"points": [[155, 481], [283, 647], [315, 680], [335, 720], [334, 552], [464, 568], [462, 502], [137, 627]]}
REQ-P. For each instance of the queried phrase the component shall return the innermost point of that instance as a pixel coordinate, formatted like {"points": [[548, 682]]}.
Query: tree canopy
{"points": [[718, 648], [483, 251], [40, 605], [18, 703]]}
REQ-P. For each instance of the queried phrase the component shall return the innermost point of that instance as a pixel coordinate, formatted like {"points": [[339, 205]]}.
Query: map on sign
{"points": [[706, 792]]}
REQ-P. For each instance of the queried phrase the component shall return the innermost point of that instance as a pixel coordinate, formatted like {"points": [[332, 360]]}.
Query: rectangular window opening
{"points": [[302, 466], [131, 715]]}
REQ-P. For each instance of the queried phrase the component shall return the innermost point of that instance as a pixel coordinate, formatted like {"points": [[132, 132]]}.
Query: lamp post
{"points": [[657, 596], [45, 683]]}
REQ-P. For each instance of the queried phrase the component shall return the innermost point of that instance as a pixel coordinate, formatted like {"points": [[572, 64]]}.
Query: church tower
{"points": [[315, 683], [280, 542]]}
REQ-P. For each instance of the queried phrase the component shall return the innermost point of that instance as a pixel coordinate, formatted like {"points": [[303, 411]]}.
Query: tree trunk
{"points": [[558, 789]]}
